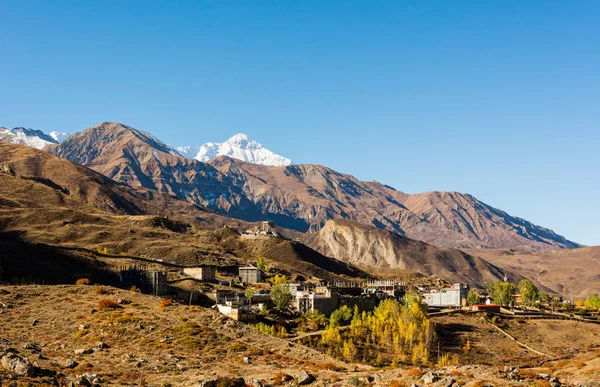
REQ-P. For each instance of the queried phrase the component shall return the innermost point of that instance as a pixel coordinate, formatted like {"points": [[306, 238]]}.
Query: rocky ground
{"points": [[97, 335]]}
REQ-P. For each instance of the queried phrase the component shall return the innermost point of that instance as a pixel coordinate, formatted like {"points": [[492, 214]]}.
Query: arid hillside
{"points": [[368, 246], [573, 273], [299, 197], [70, 212]]}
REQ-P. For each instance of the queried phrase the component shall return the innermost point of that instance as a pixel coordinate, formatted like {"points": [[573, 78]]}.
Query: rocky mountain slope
{"points": [[368, 246], [239, 147], [304, 197], [300, 197], [52, 202], [32, 177], [25, 136], [574, 273]]}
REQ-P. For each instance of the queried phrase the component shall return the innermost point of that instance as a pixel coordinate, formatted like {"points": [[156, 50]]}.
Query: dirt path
{"points": [[519, 342]]}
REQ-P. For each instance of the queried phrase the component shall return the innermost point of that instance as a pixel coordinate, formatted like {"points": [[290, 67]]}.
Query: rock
{"points": [[252, 382], [287, 378], [304, 378], [71, 363], [34, 323], [246, 360], [446, 382], [366, 379], [88, 379], [180, 367], [18, 364], [122, 301], [127, 357], [83, 327], [544, 376], [83, 351], [32, 347], [429, 378], [101, 345]]}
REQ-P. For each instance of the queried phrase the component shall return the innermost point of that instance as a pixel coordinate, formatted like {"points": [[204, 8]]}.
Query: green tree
{"points": [[592, 302], [280, 293], [312, 320], [502, 292], [249, 292], [529, 292], [260, 262], [343, 314], [472, 297], [544, 297]]}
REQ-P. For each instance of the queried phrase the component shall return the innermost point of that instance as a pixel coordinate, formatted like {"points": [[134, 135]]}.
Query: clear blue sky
{"points": [[498, 99]]}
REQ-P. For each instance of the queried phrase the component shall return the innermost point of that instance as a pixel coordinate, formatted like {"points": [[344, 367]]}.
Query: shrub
{"points": [[397, 383], [134, 289], [164, 302], [415, 372], [101, 290], [107, 304], [83, 281]]}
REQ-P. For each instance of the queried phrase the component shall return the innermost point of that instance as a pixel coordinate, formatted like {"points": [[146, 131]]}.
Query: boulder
{"points": [[429, 378], [83, 351], [32, 347], [304, 378], [71, 363], [89, 379], [18, 364], [101, 345]]}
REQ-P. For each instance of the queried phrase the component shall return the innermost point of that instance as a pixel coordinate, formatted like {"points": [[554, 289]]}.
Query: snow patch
{"points": [[240, 147]]}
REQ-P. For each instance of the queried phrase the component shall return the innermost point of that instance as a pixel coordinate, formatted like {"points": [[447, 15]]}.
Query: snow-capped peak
{"points": [[26, 136], [239, 147], [59, 136]]}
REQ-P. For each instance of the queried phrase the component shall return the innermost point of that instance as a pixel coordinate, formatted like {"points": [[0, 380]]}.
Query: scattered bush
{"points": [[101, 290], [134, 289], [165, 302], [415, 372], [107, 304], [83, 281]]}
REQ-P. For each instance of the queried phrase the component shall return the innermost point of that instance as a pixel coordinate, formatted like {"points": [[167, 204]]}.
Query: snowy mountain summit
{"points": [[239, 147], [31, 137], [25, 136]]}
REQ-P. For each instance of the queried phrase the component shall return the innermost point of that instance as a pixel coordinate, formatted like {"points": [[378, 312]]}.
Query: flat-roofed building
{"points": [[202, 273], [456, 296], [250, 274]]}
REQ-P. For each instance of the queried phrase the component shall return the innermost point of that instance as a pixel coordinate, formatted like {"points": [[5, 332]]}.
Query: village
{"points": [[255, 294]]}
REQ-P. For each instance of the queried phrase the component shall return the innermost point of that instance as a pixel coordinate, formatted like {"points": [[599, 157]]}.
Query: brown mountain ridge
{"points": [[300, 197]]}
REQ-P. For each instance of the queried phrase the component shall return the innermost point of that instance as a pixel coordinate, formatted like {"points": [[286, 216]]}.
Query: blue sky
{"points": [[498, 99]]}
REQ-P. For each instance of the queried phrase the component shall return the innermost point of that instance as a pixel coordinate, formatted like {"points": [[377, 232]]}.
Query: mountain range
{"points": [[299, 197], [116, 168]]}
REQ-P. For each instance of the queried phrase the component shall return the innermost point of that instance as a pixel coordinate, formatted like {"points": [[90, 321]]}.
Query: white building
{"points": [[456, 296]]}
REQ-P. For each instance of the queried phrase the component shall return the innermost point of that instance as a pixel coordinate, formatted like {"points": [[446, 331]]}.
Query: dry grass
{"points": [[107, 304], [83, 281], [165, 302]]}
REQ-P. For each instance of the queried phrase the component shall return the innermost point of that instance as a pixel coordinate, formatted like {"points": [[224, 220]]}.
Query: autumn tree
{"points": [[399, 331], [249, 292], [260, 262], [592, 302], [529, 292]]}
